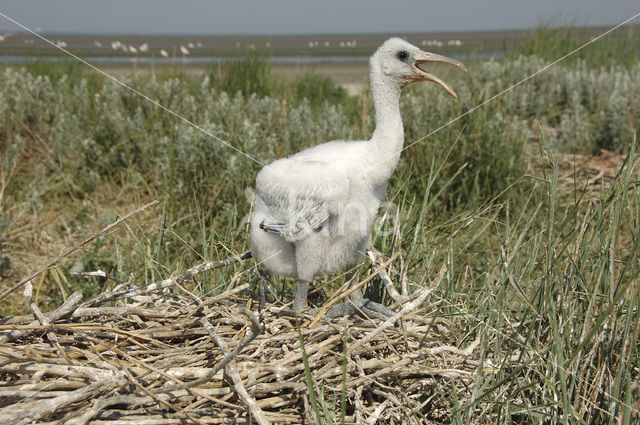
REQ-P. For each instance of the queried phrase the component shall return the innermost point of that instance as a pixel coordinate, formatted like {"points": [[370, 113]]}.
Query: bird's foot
{"points": [[361, 306], [260, 291]]}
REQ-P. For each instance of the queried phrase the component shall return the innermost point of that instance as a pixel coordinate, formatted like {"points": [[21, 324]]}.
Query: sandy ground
{"points": [[353, 76]]}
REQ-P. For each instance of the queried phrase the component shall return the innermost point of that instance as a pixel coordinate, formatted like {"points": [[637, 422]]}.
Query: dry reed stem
{"points": [[232, 371], [65, 309], [158, 358], [166, 283], [75, 248], [344, 293], [407, 308], [376, 258]]}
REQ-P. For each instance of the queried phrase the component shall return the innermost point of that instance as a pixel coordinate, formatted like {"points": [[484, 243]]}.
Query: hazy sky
{"points": [[299, 16]]}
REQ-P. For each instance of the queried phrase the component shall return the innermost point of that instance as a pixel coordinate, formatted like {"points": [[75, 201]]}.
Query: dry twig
{"points": [[75, 248], [161, 360]]}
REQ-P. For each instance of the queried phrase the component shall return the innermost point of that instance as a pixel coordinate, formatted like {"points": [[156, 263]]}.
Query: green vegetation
{"points": [[251, 75], [552, 42], [544, 268]]}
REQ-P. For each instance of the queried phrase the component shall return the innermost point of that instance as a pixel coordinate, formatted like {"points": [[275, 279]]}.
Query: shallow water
{"points": [[203, 60]]}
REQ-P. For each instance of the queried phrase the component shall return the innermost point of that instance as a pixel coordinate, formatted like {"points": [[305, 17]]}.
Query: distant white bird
{"points": [[144, 47], [184, 50], [6, 35], [97, 43], [133, 49], [313, 211], [164, 53]]}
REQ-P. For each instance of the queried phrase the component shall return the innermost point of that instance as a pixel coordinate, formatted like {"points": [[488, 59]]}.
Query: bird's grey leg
{"points": [[300, 301], [361, 306], [373, 309], [357, 303], [256, 286], [262, 298], [345, 308], [259, 286], [266, 276], [342, 309]]}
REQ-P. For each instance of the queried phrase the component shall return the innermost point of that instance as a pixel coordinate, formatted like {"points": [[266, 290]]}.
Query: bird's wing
{"points": [[296, 225], [300, 195]]}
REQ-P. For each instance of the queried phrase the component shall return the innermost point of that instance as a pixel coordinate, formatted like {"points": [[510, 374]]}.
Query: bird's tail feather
{"points": [[273, 226]]}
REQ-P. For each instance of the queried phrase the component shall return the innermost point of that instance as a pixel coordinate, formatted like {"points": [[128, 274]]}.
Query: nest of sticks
{"points": [[155, 355]]}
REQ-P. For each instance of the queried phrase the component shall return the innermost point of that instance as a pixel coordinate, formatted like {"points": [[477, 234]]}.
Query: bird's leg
{"points": [[300, 301], [259, 288], [266, 280], [262, 299], [257, 291], [357, 303]]}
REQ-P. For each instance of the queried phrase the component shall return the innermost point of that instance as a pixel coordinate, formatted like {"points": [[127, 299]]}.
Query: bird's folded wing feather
{"points": [[300, 195]]}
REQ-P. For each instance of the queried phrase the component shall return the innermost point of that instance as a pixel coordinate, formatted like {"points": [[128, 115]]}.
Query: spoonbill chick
{"points": [[314, 210]]}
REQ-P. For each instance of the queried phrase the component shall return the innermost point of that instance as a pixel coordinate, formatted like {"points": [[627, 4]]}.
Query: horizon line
{"points": [[293, 33]]}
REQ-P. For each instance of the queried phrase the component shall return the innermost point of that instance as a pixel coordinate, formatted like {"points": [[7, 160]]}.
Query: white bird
{"points": [[314, 210], [6, 35]]}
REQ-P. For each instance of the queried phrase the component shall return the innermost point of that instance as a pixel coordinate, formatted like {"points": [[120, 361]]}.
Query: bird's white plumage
{"points": [[325, 207], [314, 211]]}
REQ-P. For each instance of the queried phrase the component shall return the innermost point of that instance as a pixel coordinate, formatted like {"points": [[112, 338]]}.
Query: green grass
{"points": [[551, 41], [546, 272], [248, 75]]}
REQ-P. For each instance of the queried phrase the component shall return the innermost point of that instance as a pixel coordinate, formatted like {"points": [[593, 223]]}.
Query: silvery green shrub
{"points": [[91, 132]]}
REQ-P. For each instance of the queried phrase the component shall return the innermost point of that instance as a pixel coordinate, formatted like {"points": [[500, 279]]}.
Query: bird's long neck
{"points": [[388, 137]]}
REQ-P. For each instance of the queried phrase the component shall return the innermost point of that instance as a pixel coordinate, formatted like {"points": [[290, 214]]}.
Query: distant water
{"points": [[203, 60]]}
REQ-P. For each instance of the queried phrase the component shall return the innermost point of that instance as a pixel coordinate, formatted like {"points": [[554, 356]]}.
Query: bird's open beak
{"points": [[422, 75]]}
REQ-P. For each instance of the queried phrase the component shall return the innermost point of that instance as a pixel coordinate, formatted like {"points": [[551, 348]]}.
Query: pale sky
{"points": [[305, 17]]}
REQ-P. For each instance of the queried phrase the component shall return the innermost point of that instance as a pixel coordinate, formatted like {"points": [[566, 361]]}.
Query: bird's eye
{"points": [[402, 55]]}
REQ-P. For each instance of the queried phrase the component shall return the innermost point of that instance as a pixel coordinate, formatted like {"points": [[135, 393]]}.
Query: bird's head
{"points": [[399, 61]]}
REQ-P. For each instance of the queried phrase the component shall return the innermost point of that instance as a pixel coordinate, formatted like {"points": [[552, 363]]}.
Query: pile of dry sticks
{"points": [[156, 354]]}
